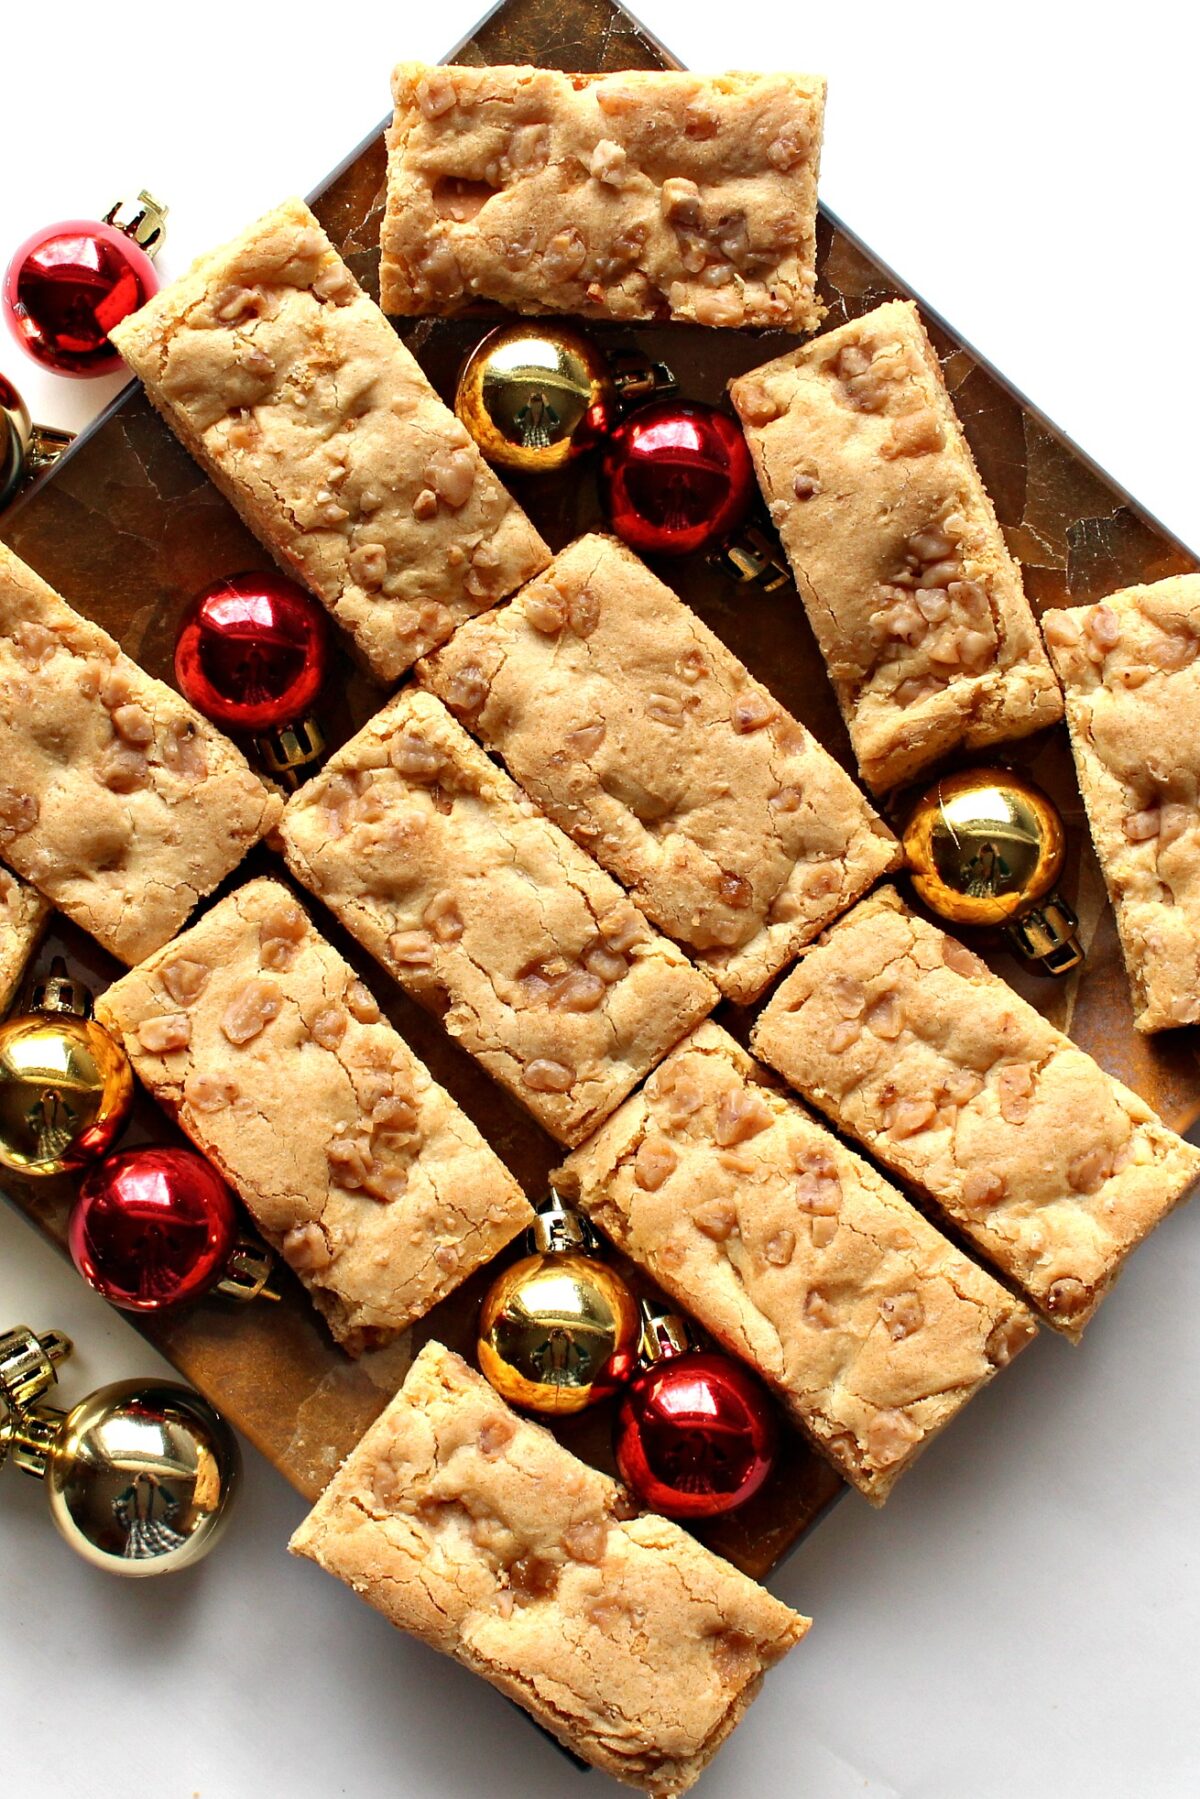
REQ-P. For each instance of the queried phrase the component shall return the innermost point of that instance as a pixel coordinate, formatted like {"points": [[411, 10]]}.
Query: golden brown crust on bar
{"points": [[118, 802], [450, 876], [904, 572], [356, 1166], [1132, 682], [472, 1528], [646, 740], [635, 195], [1051, 1168], [294, 394], [796, 1255], [23, 914]]}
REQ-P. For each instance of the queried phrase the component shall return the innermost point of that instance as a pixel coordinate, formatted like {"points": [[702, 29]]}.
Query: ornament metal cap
{"points": [[664, 1333], [985, 847], [248, 1272], [29, 1363], [289, 753], [25, 448], [752, 560], [557, 1228], [143, 219], [59, 992]]}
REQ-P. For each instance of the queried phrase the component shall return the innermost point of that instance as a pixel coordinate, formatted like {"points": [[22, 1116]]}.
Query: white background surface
{"points": [[1024, 1617]]}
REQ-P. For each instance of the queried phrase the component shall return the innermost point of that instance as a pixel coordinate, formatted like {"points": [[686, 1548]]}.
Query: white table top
{"points": [[1024, 1616]]}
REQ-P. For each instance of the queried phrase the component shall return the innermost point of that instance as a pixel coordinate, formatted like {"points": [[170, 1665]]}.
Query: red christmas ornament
{"points": [[252, 652], [157, 1227], [70, 283], [675, 477], [695, 1434]]}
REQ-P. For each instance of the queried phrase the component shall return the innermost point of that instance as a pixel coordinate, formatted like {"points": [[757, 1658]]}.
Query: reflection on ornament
{"points": [[66, 1086], [676, 477], [538, 393], [156, 1227], [70, 283], [985, 847], [557, 1330], [695, 1434], [139, 1476], [25, 448]]}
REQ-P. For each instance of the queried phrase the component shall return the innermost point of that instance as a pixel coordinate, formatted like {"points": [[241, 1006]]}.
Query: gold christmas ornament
{"points": [[985, 847], [558, 1330], [536, 394], [139, 1475], [66, 1086], [25, 448]]}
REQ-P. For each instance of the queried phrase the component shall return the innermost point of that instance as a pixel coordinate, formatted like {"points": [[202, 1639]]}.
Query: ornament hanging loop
{"points": [[143, 219]]}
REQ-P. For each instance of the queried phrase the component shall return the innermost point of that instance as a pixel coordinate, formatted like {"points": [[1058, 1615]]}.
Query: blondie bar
{"points": [[795, 1254], [1132, 684], [622, 196], [451, 877], [915, 601], [1051, 1168], [472, 1528], [118, 802], [363, 1173], [647, 741], [23, 912], [292, 391]]}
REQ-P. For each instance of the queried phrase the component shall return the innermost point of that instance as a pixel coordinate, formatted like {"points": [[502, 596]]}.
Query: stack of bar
{"points": [[388, 1197], [909, 586], [644, 738], [629, 196], [635, 1646], [118, 802], [1132, 682], [1052, 1169], [797, 1256], [294, 394], [533, 957]]}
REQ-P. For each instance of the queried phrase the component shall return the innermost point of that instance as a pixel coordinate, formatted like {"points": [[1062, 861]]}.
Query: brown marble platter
{"points": [[128, 529]]}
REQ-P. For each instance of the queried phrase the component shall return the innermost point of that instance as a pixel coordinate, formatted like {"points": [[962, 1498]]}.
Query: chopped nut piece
{"points": [[168, 1032], [251, 1009], [655, 1162]]}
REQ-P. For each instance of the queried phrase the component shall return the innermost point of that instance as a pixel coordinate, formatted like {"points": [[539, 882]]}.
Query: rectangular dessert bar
{"points": [[623, 196], [118, 802], [647, 741], [294, 394], [797, 1256], [632, 1644], [23, 913], [915, 601], [1132, 682], [356, 1166], [450, 876], [1052, 1169]]}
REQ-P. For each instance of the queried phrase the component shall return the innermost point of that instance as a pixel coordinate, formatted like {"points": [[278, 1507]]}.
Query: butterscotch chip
{"points": [[871, 1327], [1051, 1168], [909, 586], [127, 854], [715, 830], [23, 914], [640, 195], [1132, 682], [636, 1647], [294, 394], [489, 916], [359, 1169]]}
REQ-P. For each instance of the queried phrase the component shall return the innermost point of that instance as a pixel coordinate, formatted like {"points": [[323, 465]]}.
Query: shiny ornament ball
{"points": [[15, 429], [152, 1227], [675, 477], [983, 846], [534, 395], [139, 1477], [695, 1435], [66, 1089], [252, 652], [557, 1332], [65, 289]]}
